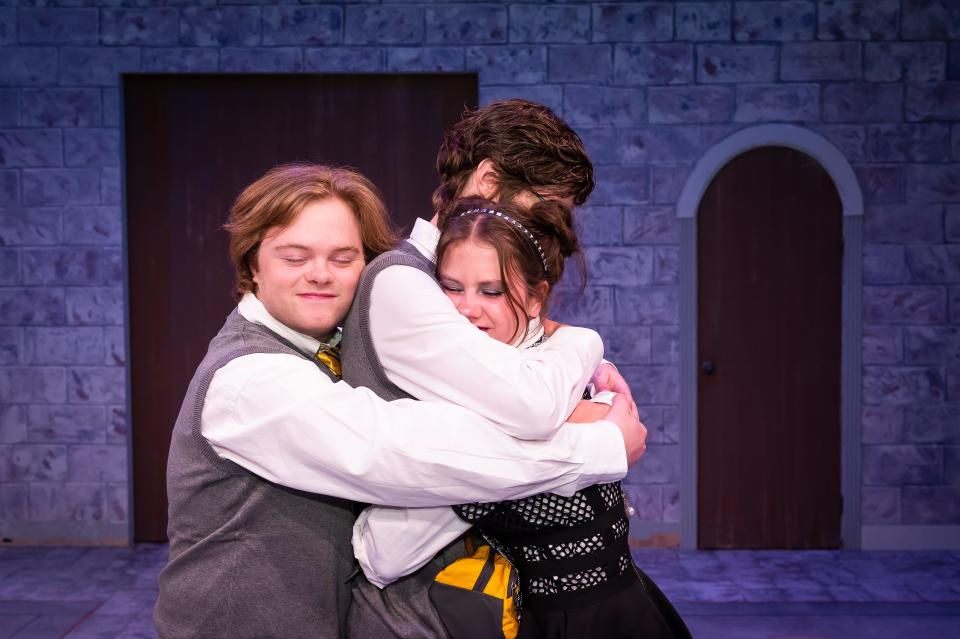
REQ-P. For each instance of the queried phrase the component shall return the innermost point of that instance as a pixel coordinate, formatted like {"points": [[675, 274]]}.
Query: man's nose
{"points": [[319, 271]]}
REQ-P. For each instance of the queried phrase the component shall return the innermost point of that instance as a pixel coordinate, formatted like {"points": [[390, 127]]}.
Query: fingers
{"points": [[621, 402], [617, 408], [624, 413], [626, 403], [620, 385], [614, 380]]}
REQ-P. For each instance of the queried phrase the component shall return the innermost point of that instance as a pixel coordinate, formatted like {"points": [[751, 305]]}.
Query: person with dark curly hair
{"points": [[404, 338]]}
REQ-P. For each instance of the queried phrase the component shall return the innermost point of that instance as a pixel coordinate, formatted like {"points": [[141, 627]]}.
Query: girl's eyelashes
{"points": [[456, 288], [451, 287]]}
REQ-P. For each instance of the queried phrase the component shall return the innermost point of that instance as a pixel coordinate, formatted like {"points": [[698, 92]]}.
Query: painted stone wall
{"points": [[650, 86]]}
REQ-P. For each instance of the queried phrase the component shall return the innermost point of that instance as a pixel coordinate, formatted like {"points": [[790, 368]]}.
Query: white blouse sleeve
{"points": [[433, 353]]}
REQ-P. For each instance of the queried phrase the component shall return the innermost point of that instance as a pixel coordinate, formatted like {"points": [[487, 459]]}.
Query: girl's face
{"points": [[470, 276]]}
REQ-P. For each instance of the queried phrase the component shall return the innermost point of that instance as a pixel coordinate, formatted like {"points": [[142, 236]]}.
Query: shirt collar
{"points": [[254, 311], [424, 238]]}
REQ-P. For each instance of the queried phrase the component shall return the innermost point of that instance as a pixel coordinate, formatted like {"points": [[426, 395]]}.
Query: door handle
{"points": [[708, 368]]}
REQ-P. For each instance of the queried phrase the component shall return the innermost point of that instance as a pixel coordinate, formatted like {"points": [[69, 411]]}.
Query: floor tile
{"points": [[46, 592]]}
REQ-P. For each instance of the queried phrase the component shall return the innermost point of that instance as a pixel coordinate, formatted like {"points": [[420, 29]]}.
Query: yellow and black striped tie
{"points": [[329, 356]]}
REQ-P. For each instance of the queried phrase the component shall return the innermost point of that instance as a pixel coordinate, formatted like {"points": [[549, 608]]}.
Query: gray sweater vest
{"points": [[248, 558], [403, 608], [361, 365]]}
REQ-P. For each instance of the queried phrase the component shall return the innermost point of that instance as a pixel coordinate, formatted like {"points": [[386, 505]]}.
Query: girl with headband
{"points": [[498, 263]]}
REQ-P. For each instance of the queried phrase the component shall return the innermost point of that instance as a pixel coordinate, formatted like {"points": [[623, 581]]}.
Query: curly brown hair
{"points": [[529, 146], [278, 197]]}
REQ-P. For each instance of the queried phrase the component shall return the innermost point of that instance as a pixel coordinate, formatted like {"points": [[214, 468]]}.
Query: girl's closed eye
{"points": [[452, 288], [471, 276]]}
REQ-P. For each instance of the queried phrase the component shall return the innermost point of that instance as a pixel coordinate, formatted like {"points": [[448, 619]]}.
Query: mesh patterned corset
{"points": [[561, 547]]}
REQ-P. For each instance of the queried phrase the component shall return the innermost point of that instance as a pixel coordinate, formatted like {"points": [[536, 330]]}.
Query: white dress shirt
{"points": [[432, 352], [280, 417]]}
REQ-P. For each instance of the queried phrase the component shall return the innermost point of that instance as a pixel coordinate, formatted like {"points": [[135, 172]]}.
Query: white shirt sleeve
{"points": [[432, 352], [392, 542], [301, 430]]}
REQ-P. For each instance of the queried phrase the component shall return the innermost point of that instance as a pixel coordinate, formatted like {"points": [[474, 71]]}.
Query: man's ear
{"points": [[254, 269], [486, 180]]}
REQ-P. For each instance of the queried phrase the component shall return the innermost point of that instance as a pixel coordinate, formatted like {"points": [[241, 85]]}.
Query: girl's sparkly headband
{"points": [[519, 226]]}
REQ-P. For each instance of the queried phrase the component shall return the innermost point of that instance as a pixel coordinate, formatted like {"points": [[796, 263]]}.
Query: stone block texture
{"points": [[650, 86]]}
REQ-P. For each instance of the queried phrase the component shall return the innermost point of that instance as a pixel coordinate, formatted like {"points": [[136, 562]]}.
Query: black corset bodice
{"points": [[561, 547]]}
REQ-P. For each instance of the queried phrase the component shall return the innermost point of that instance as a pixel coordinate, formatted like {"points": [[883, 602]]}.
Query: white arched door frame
{"points": [[851, 198]]}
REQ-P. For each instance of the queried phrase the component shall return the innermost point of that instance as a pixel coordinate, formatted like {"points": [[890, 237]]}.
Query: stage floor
{"points": [[51, 592]]}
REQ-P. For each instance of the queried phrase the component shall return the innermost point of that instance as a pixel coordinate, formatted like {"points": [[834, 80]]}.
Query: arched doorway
{"points": [[769, 245], [751, 170]]}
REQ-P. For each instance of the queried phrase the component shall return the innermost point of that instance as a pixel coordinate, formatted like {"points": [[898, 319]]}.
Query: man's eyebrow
{"points": [[346, 249], [297, 247]]}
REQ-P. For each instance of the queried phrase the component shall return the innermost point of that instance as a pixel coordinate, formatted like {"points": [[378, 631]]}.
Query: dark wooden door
{"points": [[769, 232], [192, 142]]}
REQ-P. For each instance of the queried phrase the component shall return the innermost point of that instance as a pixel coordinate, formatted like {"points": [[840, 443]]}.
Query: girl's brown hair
{"points": [[277, 198], [550, 223]]}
